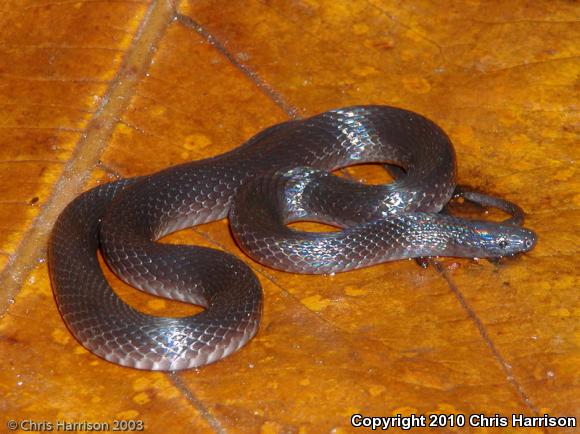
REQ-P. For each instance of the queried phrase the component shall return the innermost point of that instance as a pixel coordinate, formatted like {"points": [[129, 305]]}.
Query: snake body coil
{"points": [[276, 177]]}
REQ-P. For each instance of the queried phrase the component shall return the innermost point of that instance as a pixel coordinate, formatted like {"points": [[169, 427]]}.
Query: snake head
{"points": [[489, 239]]}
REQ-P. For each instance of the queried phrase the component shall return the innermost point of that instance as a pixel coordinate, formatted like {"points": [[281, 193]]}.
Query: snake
{"points": [[283, 174]]}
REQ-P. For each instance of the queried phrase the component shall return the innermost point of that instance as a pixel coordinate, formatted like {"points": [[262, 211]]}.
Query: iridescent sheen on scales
{"points": [[278, 176]]}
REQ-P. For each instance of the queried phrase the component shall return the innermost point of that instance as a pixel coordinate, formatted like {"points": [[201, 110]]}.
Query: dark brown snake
{"points": [[278, 176]]}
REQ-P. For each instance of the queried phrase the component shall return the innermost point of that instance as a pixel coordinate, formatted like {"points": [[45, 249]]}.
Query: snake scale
{"points": [[279, 176]]}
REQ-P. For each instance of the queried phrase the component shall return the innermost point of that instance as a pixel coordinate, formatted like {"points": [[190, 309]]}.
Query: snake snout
{"points": [[485, 239], [509, 240], [523, 240]]}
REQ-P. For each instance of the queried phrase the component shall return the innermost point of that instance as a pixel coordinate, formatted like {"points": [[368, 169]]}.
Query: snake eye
{"points": [[503, 244]]}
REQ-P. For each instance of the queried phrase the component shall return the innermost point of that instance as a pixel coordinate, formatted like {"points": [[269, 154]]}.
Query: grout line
{"points": [[505, 366], [109, 170], [266, 89], [88, 149], [175, 378]]}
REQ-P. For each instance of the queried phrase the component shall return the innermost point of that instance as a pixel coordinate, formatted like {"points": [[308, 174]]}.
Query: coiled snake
{"points": [[278, 176]]}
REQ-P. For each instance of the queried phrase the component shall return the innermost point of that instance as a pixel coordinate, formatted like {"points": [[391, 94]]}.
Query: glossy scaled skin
{"points": [[370, 236], [137, 212]]}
